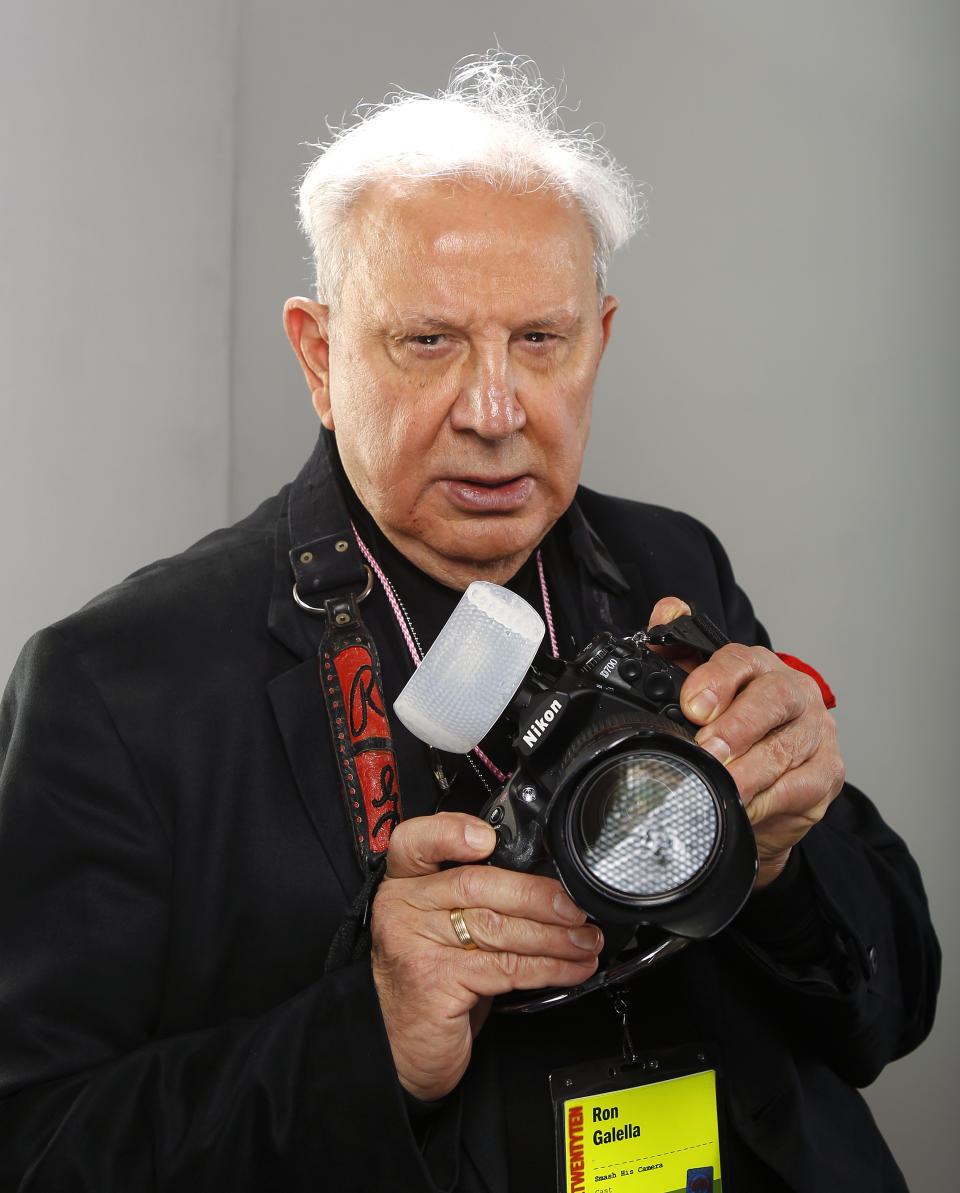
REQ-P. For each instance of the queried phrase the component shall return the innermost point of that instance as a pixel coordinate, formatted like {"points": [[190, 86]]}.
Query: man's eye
{"points": [[537, 337], [430, 341]]}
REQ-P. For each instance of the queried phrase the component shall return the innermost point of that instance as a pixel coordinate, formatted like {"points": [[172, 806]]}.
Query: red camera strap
{"points": [[799, 665], [353, 691]]}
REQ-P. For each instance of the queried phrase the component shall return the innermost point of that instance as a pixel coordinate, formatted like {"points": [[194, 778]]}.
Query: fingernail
{"points": [[717, 747], [702, 705], [480, 837], [566, 909], [586, 937]]}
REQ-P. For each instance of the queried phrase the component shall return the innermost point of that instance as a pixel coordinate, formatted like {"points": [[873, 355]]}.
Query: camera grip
{"points": [[512, 813]]}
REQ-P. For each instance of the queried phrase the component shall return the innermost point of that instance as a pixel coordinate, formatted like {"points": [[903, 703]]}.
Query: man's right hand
{"points": [[434, 993]]}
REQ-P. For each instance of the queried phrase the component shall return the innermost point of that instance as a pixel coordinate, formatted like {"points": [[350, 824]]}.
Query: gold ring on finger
{"points": [[461, 929]]}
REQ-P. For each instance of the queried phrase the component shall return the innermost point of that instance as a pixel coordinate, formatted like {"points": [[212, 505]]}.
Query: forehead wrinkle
{"points": [[480, 260], [451, 272]]}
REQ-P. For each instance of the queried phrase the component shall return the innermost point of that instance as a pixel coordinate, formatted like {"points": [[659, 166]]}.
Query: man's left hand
{"points": [[768, 725]]}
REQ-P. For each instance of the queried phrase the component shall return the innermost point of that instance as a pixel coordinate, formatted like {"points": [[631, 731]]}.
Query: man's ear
{"points": [[607, 311], [305, 323]]}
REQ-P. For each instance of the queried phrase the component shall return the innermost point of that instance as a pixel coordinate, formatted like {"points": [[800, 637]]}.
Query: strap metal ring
{"points": [[317, 611]]}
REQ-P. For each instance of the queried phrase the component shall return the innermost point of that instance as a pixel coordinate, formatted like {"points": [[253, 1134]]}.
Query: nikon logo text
{"points": [[539, 725]]}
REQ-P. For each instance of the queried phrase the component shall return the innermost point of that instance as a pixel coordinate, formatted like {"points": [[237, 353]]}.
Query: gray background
{"points": [[784, 363]]}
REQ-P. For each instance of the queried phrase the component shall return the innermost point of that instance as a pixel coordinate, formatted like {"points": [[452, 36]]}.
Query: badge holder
{"points": [[643, 1122]]}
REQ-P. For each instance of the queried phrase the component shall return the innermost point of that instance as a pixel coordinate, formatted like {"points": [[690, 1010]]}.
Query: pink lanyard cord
{"points": [[547, 610], [391, 597]]}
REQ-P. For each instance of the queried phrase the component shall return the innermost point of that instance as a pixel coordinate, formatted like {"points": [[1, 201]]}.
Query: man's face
{"points": [[462, 355]]}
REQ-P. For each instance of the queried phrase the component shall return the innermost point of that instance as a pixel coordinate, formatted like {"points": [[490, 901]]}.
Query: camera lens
{"points": [[645, 824]]}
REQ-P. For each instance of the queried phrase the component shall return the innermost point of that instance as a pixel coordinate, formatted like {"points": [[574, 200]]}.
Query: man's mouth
{"points": [[488, 494]]}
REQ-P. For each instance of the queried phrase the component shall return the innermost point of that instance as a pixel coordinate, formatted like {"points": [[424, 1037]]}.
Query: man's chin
{"points": [[461, 557]]}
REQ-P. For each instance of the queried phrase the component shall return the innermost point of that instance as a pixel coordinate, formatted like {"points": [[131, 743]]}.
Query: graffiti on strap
{"points": [[365, 753]]}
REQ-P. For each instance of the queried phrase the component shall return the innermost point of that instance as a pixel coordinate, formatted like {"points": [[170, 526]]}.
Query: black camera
{"points": [[612, 793]]}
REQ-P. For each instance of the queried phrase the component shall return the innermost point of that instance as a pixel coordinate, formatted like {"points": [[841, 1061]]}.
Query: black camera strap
{"points": [[330, 582], [698, 632], [695, 631]]}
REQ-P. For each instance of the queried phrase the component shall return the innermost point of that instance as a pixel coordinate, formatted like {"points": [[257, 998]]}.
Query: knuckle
{"points": [[808, 693], [788, 690], [782, 752], [486, 926], [804, 793], [509, 964], [816, 812], [738, 731], [533, 893], [744, 658], [780, 696], [468, 886]]}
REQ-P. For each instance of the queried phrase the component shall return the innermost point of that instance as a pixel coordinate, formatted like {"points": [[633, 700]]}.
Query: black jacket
{"points": [[175, 858]]}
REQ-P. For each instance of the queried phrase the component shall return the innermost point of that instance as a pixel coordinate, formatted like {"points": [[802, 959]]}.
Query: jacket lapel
{"points": [[301, 717]]}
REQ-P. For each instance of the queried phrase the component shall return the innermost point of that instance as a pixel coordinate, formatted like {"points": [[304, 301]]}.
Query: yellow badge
{"points": [[661, 1137]]}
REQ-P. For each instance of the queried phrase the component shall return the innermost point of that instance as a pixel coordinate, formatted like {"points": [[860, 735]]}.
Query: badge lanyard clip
{"points": [[620, 1009]]}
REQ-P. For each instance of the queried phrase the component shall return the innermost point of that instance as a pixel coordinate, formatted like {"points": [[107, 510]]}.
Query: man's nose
{"points": [[488, 403]]}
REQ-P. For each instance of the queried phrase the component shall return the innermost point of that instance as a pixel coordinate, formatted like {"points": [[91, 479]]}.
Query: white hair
{"points": [[498, 122]]}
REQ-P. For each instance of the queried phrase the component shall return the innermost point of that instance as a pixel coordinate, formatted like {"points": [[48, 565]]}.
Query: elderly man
{"points": [[221, 969]]}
